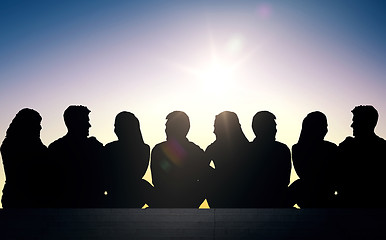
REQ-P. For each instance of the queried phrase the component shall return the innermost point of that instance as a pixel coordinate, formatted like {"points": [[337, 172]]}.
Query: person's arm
{"points": [[143, 160], [155, 167]]}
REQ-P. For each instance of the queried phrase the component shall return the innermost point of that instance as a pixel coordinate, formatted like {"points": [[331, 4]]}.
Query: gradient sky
{"points": [[201, 57]]}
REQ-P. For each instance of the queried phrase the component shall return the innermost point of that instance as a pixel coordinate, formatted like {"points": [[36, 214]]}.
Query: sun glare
{"points": [[216, 78]]}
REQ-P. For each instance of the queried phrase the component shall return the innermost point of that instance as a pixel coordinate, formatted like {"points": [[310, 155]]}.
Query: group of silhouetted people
{"points": [[77, 171]]}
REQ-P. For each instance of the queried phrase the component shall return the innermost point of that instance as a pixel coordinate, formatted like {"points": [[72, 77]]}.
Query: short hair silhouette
{"points": [[78, 162], [314, 127], [362, 155], [271, 164], [127, 127], [75, 114], [365, 118], [178, 124], [177, 166], [24, 124], [264, 125]]}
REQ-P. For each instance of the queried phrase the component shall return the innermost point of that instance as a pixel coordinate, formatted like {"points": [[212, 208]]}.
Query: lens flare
{"points": [[264, 11], [175, 152]]}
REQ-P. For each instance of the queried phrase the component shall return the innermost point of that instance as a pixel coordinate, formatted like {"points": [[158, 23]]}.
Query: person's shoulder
{"points": [[146, 147], [295, 146], [381, 140], [281, 146], [5, 143], [347, 142], [195, 146], [94, 142], [57, 143], [41, 145], [329, 144], [158, 146], [143, 149], [111, 144], [211, 147]]}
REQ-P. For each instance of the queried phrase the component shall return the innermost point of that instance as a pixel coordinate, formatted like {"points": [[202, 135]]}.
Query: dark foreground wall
{"points": [[192, 224]]}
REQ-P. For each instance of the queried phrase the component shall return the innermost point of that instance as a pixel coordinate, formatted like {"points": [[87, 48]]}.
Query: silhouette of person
{"points": [[229, 154], [313, 159], [178, 166], [126, 163], [270, 167], [78, 160], [24, 159], [362, 162]]}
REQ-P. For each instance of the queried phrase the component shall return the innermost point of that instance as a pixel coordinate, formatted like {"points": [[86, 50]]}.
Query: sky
{"points": [[201, 57]]}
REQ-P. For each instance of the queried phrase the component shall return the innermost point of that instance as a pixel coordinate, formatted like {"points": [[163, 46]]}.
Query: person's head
{"points": [[365, 118], [314, 127], [264, 126], [227, 127], [177, 125], [127, 127], [26, 124], [77, 120]]}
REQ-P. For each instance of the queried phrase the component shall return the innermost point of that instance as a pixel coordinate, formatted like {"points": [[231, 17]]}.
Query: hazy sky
{"points": [[201, 57]]}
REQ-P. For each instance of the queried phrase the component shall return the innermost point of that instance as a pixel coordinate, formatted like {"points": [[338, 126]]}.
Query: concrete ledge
{"points": [[192, 224]]}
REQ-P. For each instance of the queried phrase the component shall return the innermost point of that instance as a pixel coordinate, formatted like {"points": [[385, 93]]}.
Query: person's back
{"points": [[177, 166], [78, 166], [25, 163], [313, 164], [271, 171], [126, 163], [314, 161], [78, 163], [362, 163], [229, 154], [270, 165]]}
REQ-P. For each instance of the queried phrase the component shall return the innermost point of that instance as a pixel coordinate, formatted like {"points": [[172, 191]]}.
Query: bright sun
{"points": [[216, 77]]}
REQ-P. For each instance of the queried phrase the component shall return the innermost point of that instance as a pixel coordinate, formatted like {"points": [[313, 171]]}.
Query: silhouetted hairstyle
{"points": [[127, 161], [314, 127], [227, 126], [260, 120], [23, 124], [177, 166], [180, 122], [73, 114], [127, 126], [314, 160], [25, 162], [229, 153], [366, 113]]}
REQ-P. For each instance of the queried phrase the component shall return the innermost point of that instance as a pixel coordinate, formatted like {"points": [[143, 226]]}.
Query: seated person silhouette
{"points": [[126, 163], [78, 162], [178, 166], [25, 160], [270, 167], [229, 154], [362, 164], [313, 159]]}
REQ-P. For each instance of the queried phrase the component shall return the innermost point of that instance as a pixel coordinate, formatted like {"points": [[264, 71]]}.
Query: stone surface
{"points": [[192, 224]]}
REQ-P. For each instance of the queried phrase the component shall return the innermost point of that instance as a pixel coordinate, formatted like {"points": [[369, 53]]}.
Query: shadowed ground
{"points": [[192, 224]]}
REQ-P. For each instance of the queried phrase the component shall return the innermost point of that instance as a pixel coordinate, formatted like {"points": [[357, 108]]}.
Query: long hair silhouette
{"points": [[24, 159]]}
